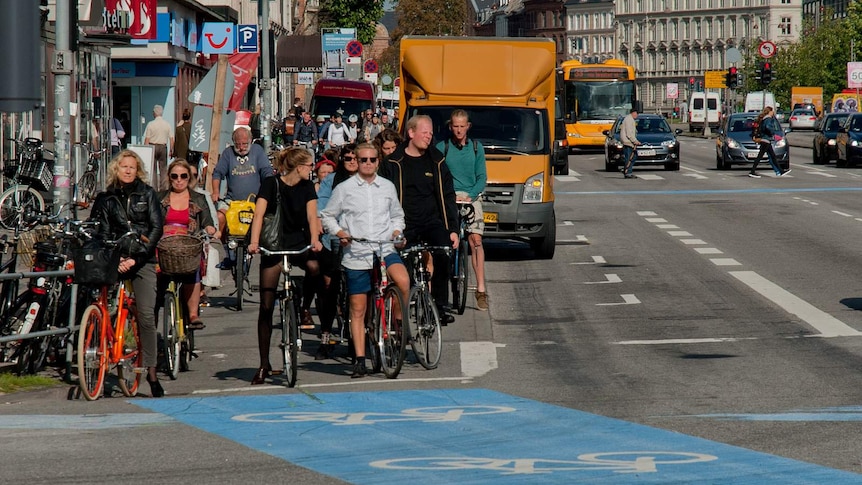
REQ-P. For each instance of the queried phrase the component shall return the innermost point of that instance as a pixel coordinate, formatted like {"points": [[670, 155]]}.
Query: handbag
{"points": [[212, 276], [270, 233], [96, 263]]}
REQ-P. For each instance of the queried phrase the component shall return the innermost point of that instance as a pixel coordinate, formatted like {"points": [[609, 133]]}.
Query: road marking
{"points": [[83, 421], [649, 176], [627, 300], [567, 223], [679, 233], [684, 167], [695, 176], [725, 262], [567, 178], [667, 226], [611, 278], [667, 341], [693, 241], [822, 174], [709, 250], [646, 213], [826, 324], [596, 260], [478, 358], [834, 414], [844, 214], [656, 219], [273, 387]]}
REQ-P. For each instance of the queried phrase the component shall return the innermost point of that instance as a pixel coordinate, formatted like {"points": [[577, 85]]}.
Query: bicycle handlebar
{"points": [[267, 252], [396, 240], [425, 247]]}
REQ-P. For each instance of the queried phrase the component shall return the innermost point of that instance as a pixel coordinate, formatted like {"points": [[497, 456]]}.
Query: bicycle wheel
{"points": [[92, 353], [15, 201], [187, 349], [290, 345], [390, 332], [372, 349], [460, 278], [130, 369], [425, 334], [87, 187], [239, 275], [170, 336]]}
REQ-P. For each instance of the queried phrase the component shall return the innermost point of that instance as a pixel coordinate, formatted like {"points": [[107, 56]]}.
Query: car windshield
{"points": [[653, 125], [803, 112], [835, 122], [856, 123], [740, 125]]}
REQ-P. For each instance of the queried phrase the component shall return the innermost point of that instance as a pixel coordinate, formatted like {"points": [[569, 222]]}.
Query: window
{"points": [[785, 25]]}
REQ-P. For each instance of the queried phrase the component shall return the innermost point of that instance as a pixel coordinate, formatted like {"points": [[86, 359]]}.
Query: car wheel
{"points": [[672, 166], [840, 163]]}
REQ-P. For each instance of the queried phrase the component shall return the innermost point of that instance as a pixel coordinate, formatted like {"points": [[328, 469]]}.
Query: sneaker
{"points": [[359, 370], [482, 300], [630, 176], [782, 174], [753, 175], [322, 352], [445, 317]]}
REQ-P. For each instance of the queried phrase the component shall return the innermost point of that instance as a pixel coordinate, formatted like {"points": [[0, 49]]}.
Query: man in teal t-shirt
{"points": [[466, 161]]}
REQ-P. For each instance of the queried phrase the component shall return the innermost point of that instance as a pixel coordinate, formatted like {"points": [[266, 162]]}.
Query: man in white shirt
{"points": [[159, 133], [365, 206]]}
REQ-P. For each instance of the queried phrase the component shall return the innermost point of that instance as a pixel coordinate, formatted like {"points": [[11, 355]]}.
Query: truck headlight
{"points": [[533, 188]]}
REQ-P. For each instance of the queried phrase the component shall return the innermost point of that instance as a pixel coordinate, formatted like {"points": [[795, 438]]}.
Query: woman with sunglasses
{"points": [[330, 257], [300, 227], [185, 211]]}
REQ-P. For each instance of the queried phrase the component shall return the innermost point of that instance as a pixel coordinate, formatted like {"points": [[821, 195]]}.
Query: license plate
{"points": [[490, 217], [751, 155], [646, 153]]}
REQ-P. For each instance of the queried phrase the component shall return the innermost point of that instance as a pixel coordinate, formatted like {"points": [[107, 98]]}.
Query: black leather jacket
{"points": [[134, 207]]}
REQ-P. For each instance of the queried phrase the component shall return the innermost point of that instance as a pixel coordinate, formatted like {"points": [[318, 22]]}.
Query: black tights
{"points": [[269, 279]]}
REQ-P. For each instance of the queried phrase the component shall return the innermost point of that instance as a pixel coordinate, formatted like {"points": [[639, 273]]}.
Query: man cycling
{"points": [[243, 167], [305, 132]]}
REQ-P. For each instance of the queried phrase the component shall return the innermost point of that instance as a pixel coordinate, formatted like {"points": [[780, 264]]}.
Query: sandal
{"points": [[197, 324]]}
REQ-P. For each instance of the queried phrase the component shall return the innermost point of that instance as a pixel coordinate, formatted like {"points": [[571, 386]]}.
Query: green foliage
{"points": [[362, 15], [13, 383]]}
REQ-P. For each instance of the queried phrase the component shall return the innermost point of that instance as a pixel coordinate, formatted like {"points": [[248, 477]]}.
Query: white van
{"points": [[698, 107], [757, 100]]}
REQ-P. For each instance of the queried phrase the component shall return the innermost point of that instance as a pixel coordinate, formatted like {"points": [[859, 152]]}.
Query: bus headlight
{"points": [[533, 188]]}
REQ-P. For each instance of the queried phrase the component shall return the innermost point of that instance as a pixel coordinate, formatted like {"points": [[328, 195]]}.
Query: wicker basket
{"points": [[38, 173], [180, 254]]}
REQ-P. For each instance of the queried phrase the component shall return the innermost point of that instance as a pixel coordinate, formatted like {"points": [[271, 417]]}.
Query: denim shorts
{"points": [[359, 280]]}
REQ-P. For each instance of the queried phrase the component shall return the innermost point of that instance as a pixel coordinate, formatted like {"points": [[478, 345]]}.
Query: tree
{"points": [[424, 17], [361, 15]]}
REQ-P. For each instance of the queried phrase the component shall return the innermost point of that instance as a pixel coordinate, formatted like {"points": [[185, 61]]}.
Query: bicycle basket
{"points": [[37, 173], [96, 263], [179, 254], [10, 166], [239, 216]]}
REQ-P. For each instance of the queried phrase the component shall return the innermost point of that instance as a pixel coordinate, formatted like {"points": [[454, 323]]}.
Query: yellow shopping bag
{"points": [[239, 215]]}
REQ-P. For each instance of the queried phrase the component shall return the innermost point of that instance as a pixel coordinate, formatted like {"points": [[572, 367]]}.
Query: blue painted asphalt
{"points": [[710, 191], [475, 436]]}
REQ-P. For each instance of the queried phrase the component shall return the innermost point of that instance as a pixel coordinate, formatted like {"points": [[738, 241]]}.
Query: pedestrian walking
{"points": [[763, 133], [629, 138]]}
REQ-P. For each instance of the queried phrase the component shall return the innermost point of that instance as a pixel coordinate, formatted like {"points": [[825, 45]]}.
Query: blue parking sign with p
{"points": [[246, 38]]}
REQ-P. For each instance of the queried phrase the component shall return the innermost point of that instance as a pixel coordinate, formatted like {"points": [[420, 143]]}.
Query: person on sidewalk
{"points": [[629, 138], [466, 160], [763, 133], [159, 134]]}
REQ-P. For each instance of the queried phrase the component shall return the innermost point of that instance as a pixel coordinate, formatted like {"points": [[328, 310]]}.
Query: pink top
{"points": [[176, 222]]}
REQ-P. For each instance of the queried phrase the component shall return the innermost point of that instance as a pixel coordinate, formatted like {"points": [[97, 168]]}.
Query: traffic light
{"points": [[691, 83], [766, 75], [758, 73], [732, 78]]}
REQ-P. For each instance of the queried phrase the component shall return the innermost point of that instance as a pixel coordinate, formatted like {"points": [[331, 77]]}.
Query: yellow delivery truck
{"points": [[507, 85]]}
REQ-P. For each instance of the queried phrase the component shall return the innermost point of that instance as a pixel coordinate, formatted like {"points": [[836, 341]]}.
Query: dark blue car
{"points": [[825, 146], [849, 141]]}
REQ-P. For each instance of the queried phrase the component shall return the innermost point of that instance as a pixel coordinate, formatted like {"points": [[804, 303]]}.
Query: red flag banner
{"points": [[243, 67]]}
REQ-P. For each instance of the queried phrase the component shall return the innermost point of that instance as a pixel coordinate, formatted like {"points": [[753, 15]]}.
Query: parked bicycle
{"points": [[28, 174], [461, 261], [426, 336], [288, 314], [86, 186], [108, 337], [385, 314]]}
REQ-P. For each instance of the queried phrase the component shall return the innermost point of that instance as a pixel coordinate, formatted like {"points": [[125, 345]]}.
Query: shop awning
{"points": [[299, 53]]}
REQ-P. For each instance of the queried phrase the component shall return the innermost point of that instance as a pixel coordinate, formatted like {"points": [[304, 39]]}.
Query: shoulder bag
{"points": [[270, 233]]}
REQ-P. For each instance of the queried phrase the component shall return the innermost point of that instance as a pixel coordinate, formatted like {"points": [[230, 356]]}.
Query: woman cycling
{"points": [[300, 227], [129, 204]]}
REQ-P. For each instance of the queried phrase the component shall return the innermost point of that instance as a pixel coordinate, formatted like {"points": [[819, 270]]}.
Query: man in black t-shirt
{"points": [[427, 194]]}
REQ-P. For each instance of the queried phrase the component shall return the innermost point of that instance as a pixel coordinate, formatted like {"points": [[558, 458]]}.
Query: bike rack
{"points": [[72, 325]]}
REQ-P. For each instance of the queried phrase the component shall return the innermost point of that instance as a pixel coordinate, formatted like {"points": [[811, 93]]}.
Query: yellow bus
{"points": [[593, 97]]}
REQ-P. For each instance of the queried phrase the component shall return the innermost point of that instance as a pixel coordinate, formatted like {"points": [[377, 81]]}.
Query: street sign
{"points": [[371, 66], [672, 90], [218, 38], [371, 77], [246, 38], [854, 74], [766, 49], [204, 92], [354, 48], [714, 79]]}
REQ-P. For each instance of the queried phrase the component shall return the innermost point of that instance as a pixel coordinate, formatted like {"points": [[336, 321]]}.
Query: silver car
{"points": [[734, 145]]}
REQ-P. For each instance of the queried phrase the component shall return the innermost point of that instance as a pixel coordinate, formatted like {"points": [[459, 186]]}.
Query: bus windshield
{"points": [[599, 100], [502, 130], [328, 106]]}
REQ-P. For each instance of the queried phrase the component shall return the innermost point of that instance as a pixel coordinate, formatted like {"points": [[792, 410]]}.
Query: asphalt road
{"points": [[693, 327]]}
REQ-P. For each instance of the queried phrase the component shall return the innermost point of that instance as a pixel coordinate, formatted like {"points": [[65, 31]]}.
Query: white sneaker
{"points": [[753, 175]]}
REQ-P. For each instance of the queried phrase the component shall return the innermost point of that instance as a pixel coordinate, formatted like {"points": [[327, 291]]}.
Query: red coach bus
{"points": [[332, 94]]}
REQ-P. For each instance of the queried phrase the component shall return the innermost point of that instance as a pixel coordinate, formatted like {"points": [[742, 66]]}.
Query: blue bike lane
{"points": [[475, 436]]}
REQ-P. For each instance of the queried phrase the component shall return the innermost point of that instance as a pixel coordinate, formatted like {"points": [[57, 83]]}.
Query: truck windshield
{"points": [[599, 100], [502, 130]]}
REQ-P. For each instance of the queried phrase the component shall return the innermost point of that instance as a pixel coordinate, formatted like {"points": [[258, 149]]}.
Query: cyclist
{"points": [[305, 132], [365, 206], [243, 167], [129, 203], [466, 160], [300, 228], [420, 175]]}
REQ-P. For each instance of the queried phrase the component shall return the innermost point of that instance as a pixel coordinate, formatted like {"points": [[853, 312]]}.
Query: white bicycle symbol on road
{"points": [[618, 462], [439, 414]]}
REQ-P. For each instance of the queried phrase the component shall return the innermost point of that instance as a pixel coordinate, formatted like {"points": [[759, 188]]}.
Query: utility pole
{"points": [[61, 67], [264, 77]]}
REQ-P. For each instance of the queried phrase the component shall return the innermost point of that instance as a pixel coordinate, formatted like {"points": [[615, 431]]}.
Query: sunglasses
{"points": [[350, 159], [368, 159], [176, 176]]}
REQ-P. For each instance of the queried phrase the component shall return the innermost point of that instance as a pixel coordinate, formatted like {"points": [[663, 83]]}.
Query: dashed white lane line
{"points": [[596, 260], [478, 358], [684, 341], [667, 226], [646, 213], [656, 220], [695, 176], [826, 324], [709, 250], [725, 262], [843, 214], [693, 242], [627, 300], [679, 233], [649, 176], [610, 278], [822, 174]]}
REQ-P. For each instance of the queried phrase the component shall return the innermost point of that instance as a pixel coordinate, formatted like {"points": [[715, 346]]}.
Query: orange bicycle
{"points": [[103, 344]]}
